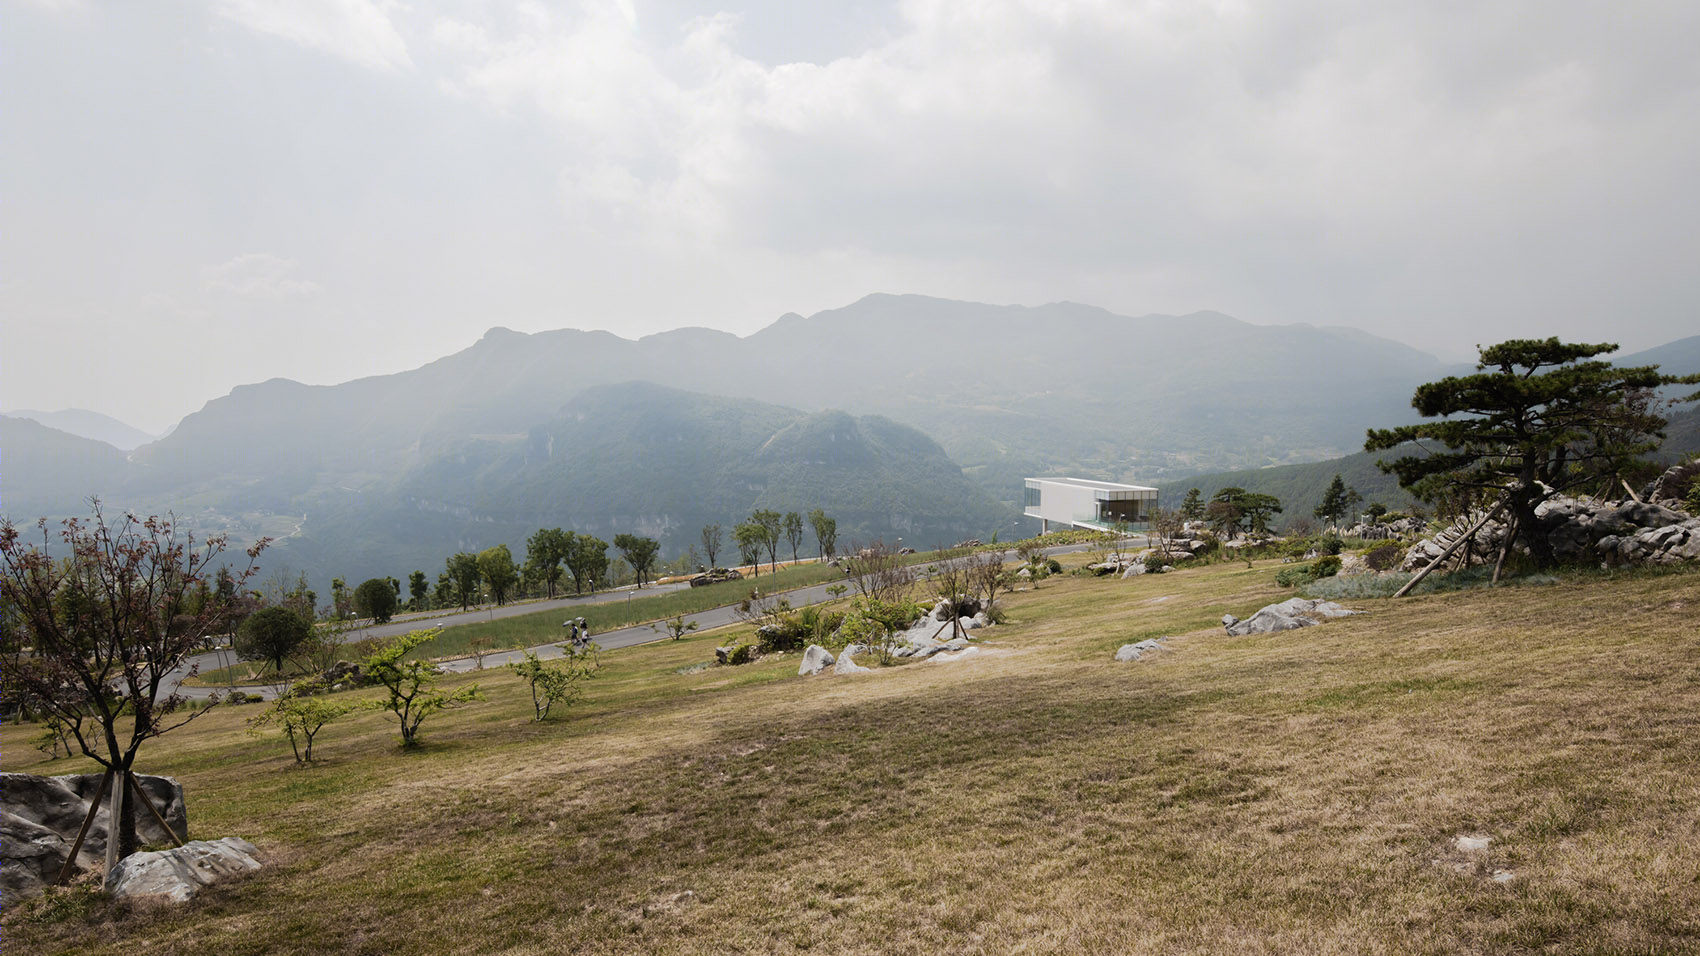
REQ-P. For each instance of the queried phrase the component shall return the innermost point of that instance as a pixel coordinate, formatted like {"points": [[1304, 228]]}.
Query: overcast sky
{"points": [[202, 193]]}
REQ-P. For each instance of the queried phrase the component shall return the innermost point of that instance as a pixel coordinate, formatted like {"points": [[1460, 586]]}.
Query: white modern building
{"points": [[1082, 503]]}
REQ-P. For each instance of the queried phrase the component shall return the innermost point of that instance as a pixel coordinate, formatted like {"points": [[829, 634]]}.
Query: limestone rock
{"points": [[845, 665], [1286, 616], [815, 660], [178, 874], [40, 816]]}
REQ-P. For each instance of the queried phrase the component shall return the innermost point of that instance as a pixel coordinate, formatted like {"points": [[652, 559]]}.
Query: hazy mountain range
{"points": [[902, 415]]}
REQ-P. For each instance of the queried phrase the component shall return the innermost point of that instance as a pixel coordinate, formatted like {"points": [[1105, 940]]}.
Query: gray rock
{"points": [[977, 621], [1133, 570], [40, 816], [847, 666], [1228, 620], [177, 875], [1288, 615], [815, 660]]}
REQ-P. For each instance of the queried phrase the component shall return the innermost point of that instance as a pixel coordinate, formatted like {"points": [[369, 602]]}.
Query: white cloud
{"points": [[359, 31], [258, 276]]}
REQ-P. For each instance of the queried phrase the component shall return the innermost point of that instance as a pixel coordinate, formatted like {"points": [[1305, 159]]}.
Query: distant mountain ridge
{"points": [[457, 451], [91, 425]]}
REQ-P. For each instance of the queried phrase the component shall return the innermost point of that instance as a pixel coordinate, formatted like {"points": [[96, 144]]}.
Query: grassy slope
{"points": [[1290, 793]]}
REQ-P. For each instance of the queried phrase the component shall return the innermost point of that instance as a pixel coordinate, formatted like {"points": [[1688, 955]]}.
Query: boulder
{"points": [[977, 621], [1133, 570], [40, 817], [178, 874], [1674, 484], [1132, 652], [815, 660], [735, 654], [845, 665], [1286, 616]]}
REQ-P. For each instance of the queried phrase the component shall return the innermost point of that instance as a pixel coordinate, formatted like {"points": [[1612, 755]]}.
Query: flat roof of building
{"points": [[1094, 485]]}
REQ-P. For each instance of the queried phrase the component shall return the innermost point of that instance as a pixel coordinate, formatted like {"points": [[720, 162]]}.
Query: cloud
{"points": [[359, 31], [257, 276]]}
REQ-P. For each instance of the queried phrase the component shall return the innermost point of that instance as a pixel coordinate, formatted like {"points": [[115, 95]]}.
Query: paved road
{"points": [[610, 640]]}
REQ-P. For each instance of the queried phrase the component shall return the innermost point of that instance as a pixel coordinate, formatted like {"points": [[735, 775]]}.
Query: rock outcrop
{"points": [[1286, 616], [815, 660], [176, 875], [40, 816], [1614, 533]]}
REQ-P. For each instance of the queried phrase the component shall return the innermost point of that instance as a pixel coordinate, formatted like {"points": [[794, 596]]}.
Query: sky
{"points": [[198, 194]]}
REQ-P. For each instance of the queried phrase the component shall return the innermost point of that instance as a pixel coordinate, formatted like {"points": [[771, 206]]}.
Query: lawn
{"points": [[1293, 793]]}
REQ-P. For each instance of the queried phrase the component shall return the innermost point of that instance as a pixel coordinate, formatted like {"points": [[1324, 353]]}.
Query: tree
{"points": [[1236, 509], [1166, 526], [794, 532], [496, 567], [750, 538], [376, 598], [463, 578], [544, 552], [1259, 508], [1225, 511], [587, 561], [418, 589], [879, 573], [107, 620], [639, 552], [557, 681], [988, 576], [676, 626], [342, 602], [1538, 417], [272, 634], [1192, 508], [826, 532], [409, 683], [769, 521], [1337, 502], [711, 542], [300, 718]]}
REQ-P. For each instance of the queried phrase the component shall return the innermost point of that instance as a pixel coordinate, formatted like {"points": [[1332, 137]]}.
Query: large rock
{"points": [[815, 660], [1132, 652], [40, 816], [1286, 616], [845, 665], [178, 874]]}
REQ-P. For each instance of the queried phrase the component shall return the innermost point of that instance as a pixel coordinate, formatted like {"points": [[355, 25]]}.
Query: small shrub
{"points": [[1383, 558], [1054, 566], [1295, 575], [1326, 567], [1331, 545]]}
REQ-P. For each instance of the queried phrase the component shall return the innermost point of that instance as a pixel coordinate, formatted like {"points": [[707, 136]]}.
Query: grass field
{"points": [[1292, 793]]}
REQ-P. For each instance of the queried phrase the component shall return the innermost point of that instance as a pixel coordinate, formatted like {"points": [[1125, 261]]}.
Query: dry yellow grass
{"points": [[1294, 793]]}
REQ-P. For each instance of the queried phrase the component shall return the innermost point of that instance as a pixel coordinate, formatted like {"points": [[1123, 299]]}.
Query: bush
{"points": [[1383, 558], [1300, 574], [1331, 545]]}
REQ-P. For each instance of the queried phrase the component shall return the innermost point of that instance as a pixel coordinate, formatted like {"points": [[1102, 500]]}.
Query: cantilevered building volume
{"points": [[1083, 503]]}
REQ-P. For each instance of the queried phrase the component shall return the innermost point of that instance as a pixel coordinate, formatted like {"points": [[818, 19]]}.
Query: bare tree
{"points": [[951, 581], [110, 625], [987, 577], [880, 573], [711, 541]]}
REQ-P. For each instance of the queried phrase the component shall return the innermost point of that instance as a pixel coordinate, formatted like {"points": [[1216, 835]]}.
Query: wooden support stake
{"points": [[115, 830], [88, 821], [1632, 494], [1449, 549], [147, 801], [1504, 547]]}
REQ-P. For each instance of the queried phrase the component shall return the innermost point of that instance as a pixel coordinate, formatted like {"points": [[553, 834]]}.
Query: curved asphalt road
{"points": [[610, 640]]}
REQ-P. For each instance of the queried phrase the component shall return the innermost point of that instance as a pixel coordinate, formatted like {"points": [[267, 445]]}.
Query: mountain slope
{"points": [[45, 471], [91, 425], [638, 457]]}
